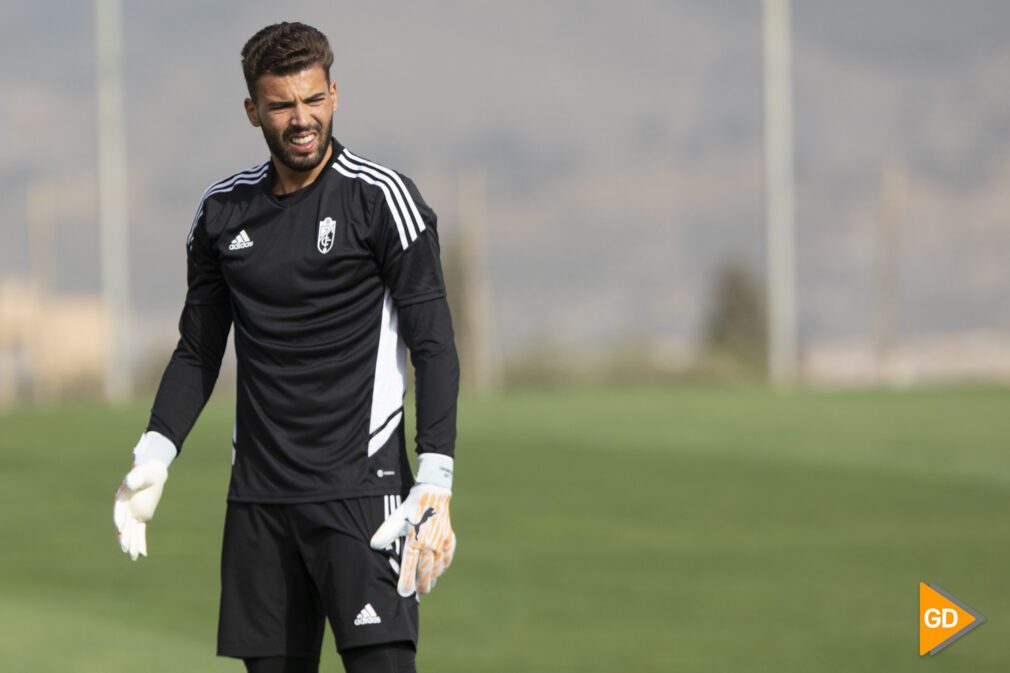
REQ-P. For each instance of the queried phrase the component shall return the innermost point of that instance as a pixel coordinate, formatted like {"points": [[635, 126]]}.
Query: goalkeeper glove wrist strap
{"points": [[434, 469], [154, 446]]}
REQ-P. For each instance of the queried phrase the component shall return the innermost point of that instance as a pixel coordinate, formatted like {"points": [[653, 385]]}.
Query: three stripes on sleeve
{"points": [[401, 204]]}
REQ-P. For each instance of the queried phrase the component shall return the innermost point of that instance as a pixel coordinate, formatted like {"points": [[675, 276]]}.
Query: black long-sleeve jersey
{"points": [[327, 287]]}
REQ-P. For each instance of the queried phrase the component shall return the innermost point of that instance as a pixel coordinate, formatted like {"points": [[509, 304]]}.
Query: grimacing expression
{"points": [[295, 113]]}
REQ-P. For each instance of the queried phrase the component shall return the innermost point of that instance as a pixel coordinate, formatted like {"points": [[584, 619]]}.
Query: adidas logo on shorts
{"points": [[367, 616]]}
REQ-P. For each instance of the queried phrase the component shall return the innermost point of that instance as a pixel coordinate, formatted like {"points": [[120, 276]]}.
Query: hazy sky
{"points": [[621, 141]]}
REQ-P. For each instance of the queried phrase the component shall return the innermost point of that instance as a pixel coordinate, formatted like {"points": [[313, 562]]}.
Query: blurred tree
{"points": [[736, 329]]}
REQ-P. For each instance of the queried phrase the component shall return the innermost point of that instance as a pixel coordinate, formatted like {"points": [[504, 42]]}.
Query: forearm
{"points": [[192, 371], [426, 328]]}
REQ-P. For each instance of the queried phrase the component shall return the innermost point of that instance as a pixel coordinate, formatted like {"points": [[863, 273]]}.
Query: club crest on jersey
{"points": [[327, 229]]}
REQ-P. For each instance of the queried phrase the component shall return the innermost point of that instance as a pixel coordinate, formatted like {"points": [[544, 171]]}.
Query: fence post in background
{"points": [[779, 197], [886, 272], [482, 369], [112, 197]]}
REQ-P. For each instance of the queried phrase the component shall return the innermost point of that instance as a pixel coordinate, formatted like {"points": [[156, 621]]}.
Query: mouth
{"points": [[303, 141]]}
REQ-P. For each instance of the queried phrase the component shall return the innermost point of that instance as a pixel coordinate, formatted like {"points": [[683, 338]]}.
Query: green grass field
{"points": [[599, 530]]}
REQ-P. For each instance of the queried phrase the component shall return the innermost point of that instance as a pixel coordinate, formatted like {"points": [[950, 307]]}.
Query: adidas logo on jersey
{"points": [[367, 616], [241, 241]]}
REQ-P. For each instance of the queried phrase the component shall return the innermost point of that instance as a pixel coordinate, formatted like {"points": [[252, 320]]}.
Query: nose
{"points": [[300, 115]]}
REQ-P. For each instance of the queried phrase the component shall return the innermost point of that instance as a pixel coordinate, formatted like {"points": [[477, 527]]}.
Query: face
{"points": [[296, 114]]}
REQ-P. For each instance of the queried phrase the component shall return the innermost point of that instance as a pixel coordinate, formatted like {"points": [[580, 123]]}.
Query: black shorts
{"points": [[286, 568]]}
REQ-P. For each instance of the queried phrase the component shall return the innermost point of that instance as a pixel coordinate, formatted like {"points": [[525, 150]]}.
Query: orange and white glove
{"points": [[424, 519], [140, 491]]}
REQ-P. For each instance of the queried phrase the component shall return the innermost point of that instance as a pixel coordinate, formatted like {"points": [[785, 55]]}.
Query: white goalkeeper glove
{"points": [[138, 495], [424, 519]]}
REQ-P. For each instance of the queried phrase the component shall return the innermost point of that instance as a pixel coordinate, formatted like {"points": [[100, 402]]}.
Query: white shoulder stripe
{"points": [[226, 185], [389, 200], [401, 204], [398, 195], [249, 176], [249, 172], [395, 177], [239, 178], [354, 161]]}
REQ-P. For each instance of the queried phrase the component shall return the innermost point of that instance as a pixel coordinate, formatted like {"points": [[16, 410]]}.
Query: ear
{"points": [[334, 95], [250, 112]]}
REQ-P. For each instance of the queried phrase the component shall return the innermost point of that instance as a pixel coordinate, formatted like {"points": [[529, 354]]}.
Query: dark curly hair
{"points": [[283, 49]]}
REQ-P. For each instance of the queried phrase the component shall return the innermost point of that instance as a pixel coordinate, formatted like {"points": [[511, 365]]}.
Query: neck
{"points": [[287, 180]]}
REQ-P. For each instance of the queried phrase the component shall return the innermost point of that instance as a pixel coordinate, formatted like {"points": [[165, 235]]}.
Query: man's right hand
{"points": [[139, 493]]}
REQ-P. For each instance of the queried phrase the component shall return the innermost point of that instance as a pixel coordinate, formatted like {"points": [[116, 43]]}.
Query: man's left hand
{"points": [[424, 519]]}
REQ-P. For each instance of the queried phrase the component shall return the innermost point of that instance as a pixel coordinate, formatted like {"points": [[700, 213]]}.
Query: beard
{"points": [[288, 157]]}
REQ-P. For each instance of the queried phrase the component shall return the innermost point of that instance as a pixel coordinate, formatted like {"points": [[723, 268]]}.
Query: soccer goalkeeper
{"points": [[327, 264]]}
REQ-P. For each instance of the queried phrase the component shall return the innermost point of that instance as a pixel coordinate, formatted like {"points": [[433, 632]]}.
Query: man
{"points": [[327, 265]]}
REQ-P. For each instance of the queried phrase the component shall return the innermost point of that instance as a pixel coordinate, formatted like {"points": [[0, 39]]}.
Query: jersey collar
{"points": [[297, 197]]}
